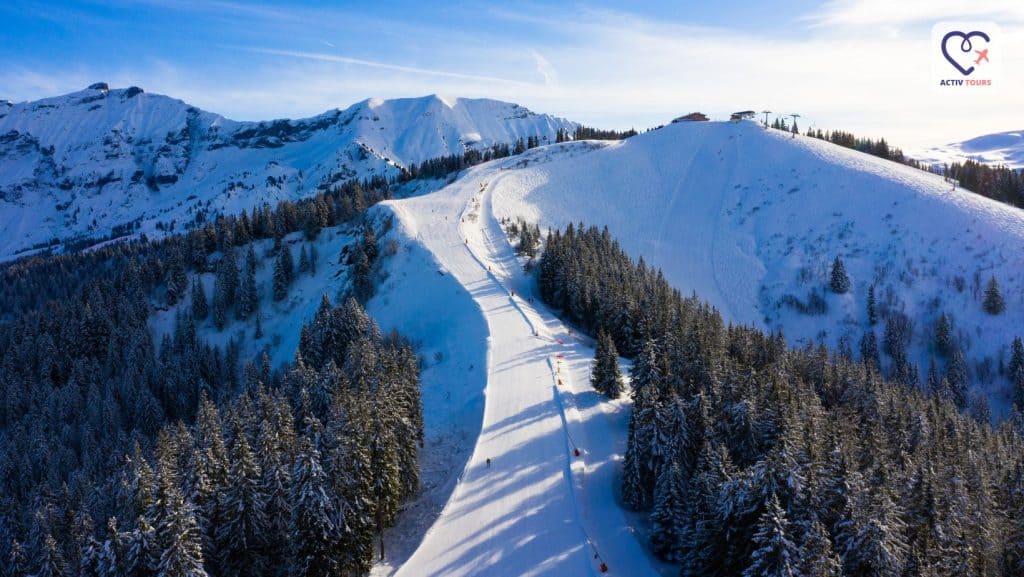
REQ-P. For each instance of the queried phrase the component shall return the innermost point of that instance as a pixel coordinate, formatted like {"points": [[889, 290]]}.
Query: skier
{"points": [[488, 462]]}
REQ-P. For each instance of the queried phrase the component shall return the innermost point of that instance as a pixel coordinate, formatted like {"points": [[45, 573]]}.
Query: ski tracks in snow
{"points": [[546, 504]]}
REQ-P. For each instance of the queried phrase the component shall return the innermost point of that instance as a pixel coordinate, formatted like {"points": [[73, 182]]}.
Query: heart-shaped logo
{"points": [[965, 47]]}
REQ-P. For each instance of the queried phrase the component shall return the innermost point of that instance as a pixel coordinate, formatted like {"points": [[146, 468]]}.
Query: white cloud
{"points": [[339, 59], [842, 68], [545, 69], [901, 12]]}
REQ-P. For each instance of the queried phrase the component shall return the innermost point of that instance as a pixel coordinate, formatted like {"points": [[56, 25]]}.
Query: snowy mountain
{"points": [[102, 161], [752, 220], [1001, 148]]}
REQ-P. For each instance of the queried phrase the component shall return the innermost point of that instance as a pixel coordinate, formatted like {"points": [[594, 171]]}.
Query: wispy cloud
{"points": [[339, 59], [838, 66], [545, 69], [890, 13]]}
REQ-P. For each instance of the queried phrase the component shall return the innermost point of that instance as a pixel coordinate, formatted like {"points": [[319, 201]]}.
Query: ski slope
{"points": [[538, 508], [740, 215]]}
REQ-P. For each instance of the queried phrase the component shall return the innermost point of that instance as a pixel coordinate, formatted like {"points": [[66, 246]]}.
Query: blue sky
{"points": [[860, 65]]}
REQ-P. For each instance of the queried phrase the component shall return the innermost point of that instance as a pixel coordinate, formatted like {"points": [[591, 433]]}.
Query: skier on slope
{"points": [[488, 462]]}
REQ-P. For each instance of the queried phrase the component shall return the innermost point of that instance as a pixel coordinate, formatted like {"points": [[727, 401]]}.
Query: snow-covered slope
{"points": [[751, 219], [525, 503], [100, 160], [1005, 148]]}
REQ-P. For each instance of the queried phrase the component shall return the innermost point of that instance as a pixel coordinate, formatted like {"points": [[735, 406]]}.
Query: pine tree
{"points": [[668, 515], [605, 376], [248, 299], [956, 376], [313, 517], [943, 336], [994, 303], [774, 555], [869, 349], [370, 244], [816, 556], [645, 372], [175, 279], [259, 325], [303, 260], [242, 530], [200, 308], [142, 551], [840, 281], [225, 288], [870, 535], [362, 277], [633, 476], [283, 273], [16, 562], [51, 559], [872, 306], [1016, 370], [182, 552]]}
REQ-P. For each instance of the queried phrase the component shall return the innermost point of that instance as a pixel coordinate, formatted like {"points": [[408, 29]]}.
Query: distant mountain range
{"points": [[1001, 148], [102, 161]]}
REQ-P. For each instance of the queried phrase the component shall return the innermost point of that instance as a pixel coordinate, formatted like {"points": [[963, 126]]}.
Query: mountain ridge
{"points": [[104, 161], [996, 149]]}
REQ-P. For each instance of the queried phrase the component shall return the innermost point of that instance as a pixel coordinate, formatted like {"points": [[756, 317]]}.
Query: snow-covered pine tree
{"points": [[241, 532], [1016, 371], [645, 373], [313, 528], [283, 273], [181, 546], [248, 297], [774, 553], [816, 558], [839, 281], [370, 244], [870, 534], [872, 306], [51, 560], [225, 289], [175, 278], [605, 376], [956, 376], [943, 336], [142, 550], [869, 349], [668, 516], [303, 259], [200, 308], [362, 276], [15, 563], [994, 303]]}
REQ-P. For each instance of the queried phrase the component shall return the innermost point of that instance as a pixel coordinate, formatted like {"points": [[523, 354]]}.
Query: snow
{"points": [[76, 166], [538, 509], [741, 215], [745, 216], [1005, 148]]}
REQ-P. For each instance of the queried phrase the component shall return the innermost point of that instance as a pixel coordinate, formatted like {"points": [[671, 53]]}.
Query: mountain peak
{"points": [[114, 160]]}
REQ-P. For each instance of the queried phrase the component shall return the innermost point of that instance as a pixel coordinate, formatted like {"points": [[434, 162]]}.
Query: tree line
{"points": [[1000, 183], [83, 382], [751, 458]]}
